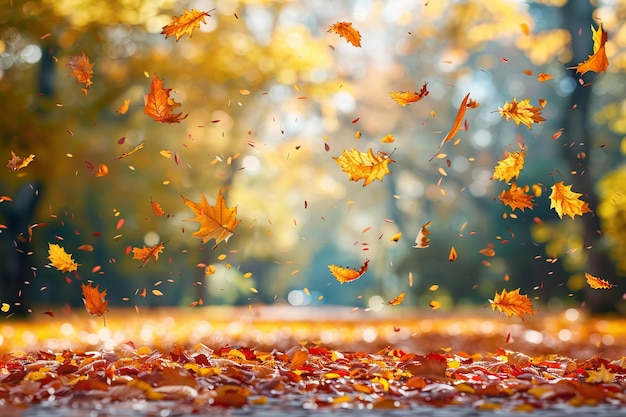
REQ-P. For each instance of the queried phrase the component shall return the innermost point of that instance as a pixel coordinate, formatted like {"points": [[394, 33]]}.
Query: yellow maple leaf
{"points": [[347, 274], [509, 167], [564, 201], [364, 166], [422, 240], [598, 62], [600, 376], [16, 163], [597, 283], [61, 260], [407, 97], [516, 198], [216, 222], [521, 112], [511, 303], [184, 24], [346, 31], [144, 254]]}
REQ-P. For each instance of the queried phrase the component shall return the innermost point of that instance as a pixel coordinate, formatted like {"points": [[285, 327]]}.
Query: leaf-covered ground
{"points": [[190, 362]]}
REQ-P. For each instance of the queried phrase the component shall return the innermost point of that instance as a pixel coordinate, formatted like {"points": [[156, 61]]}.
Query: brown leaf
{"points": [[516, 198], [16, 163]]}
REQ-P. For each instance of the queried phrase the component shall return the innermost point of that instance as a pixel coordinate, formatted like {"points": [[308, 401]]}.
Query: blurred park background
{"points": [[272, 97]]}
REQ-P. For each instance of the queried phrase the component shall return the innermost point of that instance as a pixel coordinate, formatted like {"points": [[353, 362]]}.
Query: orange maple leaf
{"points": [[509, 167], [598, 62], [216, 222], [597, 283], [144, 254], [159, 105], [364, 166], [346, 31], [422, 240], [94, 300], [61, 260], [407, 97], [346, 274], [82, 70], [398, 300], [564, 201], [512, 303], [185, 24], [516, 198], [521, 112], [16, 163]]}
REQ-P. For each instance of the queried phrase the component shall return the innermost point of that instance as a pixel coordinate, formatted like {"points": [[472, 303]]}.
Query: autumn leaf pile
{"points": [[314, 377], [233, 376]]}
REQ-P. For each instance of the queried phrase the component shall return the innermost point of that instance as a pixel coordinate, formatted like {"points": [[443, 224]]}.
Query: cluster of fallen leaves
{"points": [[192, 380]]}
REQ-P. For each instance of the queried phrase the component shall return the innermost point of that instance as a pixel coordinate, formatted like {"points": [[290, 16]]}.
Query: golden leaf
{"points": [[543, 77], [460, 114], [509, 167], [185, 24], [124, 107], [398, 300], [603, 375], [216, 222], [346, 274], [422, 240], [61, 260], [521, 112], [82, 69], [16, 163], [144, 254], [598, 62], [564, 201], [159, 105], [452, 255], [407, 97], [512, 303], [364, 166], [597, 283], [346, 31], [516, 198]]}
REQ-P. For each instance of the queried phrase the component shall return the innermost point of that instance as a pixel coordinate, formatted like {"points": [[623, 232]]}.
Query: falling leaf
{"points": [[422, 240], [124, 107], [522, 112], [516, 198], [542, 77], [94, 300], [598, 62], [346, 31], [398, 300], [156, 208], [159, 105], [132, 151], [184, 24], [597, 283], [346, 274], [61, 260], [103, 170], [509, 167], [16, 163], [144, 254], [564, 201], [396, 237], [465, 104], [5, 307], [216, 222], [364, 166], [434, 304], [512, 303], [388, 139], [452, 255], [82, 69], [601, 376], [407, 97]]}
